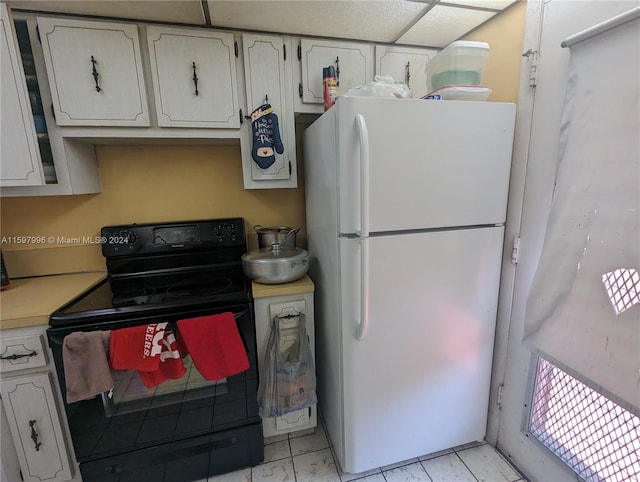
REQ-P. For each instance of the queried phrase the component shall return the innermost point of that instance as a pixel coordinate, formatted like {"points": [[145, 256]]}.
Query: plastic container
{"points": [[459, 63], [460, 92]]}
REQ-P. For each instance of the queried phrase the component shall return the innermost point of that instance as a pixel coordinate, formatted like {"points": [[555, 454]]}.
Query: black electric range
{"points": [[185, 429]]}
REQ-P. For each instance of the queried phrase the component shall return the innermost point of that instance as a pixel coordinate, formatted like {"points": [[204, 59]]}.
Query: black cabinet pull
{"points": [[300, 89], [195, 77], [337, 71], [241, 116], [15, 356], [34, 435], [94, 73], [408, 73]]}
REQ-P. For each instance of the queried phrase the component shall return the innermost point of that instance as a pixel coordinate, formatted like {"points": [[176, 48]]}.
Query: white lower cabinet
{"points": [[271, 301], [35, 440], [34, 422]]}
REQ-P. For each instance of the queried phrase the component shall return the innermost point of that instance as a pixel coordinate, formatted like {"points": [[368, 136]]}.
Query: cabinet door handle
{"points": [[408, 73], [94, 73], [34, 435], [337, 71], [195, 77], [15, 356]]}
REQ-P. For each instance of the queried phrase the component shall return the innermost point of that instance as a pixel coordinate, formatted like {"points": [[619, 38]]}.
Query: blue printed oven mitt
{"points": [[266, 136]]}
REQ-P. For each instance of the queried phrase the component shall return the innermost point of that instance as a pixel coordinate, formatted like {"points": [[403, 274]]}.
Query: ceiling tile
{"points": [[443, 25], [492, 4], [376, 21], [177, 11]]}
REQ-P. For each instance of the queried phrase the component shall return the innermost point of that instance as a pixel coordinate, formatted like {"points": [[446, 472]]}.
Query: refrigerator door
{"points": [[417, 380], [430, 164]]}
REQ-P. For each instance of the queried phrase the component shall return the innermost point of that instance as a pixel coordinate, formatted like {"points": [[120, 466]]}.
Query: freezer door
{"points": [[418, 380], [430, 163]]}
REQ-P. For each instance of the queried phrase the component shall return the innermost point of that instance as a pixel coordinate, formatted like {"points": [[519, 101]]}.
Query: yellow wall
{"points": [[149, 184], [172, 183], [505, 36]]}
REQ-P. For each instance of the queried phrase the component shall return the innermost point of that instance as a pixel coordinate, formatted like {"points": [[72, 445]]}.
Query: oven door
{"points": [[191, 423]]}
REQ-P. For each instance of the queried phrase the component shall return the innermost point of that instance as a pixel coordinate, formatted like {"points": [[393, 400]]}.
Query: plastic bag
{"points": [[382, 86], [287, 379]]}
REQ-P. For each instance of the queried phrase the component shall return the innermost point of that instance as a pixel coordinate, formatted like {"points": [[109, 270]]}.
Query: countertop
{"points": [[30, 301], [303, 285]]}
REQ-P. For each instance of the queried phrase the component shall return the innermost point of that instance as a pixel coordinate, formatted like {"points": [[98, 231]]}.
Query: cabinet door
{"points": [[20, 162], [95, 72], [353, 63], [405, 64], [194, 77], [35, 427], [268, 80]]}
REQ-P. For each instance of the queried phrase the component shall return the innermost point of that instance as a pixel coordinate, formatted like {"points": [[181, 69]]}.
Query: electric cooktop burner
{"points": [[194, 291], [197, 262]]}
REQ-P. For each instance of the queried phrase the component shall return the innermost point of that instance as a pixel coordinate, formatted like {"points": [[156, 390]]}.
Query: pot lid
{"points": [[275, 253], [274, 229]]}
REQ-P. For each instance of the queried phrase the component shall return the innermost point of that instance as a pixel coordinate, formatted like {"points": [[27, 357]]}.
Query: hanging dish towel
{"points": [[137, 348], [215, 345], [151, 350], [170, 366], [86, 368]]}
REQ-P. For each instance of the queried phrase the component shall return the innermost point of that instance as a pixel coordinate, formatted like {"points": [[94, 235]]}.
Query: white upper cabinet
{"points": [[268, 80], [353, 63], [20, 162], [405, 64], [95, 72], [194, 77]]}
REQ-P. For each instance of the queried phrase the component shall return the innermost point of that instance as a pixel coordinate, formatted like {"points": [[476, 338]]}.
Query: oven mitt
{"points": [[215, 345], [266, 136]]}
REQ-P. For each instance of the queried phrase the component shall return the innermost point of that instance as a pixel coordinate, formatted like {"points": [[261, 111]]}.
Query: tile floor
{"points": [[307, 457]]}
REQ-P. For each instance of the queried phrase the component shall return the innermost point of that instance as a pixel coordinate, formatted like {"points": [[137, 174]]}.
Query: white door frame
{"points": [[532, 178]]}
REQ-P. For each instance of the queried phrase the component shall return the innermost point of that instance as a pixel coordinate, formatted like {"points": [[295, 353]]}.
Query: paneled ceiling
{"points": [[431, 23]]}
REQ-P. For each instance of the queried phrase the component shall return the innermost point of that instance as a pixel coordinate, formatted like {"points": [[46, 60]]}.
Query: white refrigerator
{"points": [[405, 203]]}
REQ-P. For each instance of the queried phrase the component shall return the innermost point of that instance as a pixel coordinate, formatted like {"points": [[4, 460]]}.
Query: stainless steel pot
{"points": [[275, 265], [282, 235]]}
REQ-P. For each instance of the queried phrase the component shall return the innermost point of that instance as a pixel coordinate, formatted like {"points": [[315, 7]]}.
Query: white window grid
{"points": [[594, 436]]}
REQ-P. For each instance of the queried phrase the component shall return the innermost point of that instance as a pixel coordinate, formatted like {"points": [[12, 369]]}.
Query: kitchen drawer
{"points": [[22, 352]]}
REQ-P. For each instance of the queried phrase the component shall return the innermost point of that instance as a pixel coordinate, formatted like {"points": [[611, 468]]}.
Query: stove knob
{"points": [[128, 237]]}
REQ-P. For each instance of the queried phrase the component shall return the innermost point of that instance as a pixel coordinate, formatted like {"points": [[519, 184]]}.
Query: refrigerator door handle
{"points": [[363, 326], [363, 134]]}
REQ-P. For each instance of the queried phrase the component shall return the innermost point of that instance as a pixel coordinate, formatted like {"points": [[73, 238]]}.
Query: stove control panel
{"points": [[160, 238]]}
